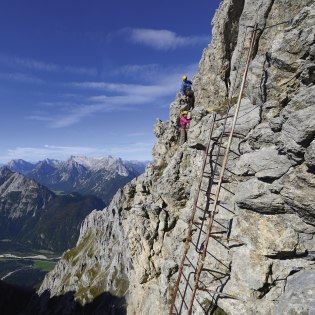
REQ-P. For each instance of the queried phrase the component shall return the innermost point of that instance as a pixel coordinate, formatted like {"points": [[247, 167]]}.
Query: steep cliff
{"points": [[133, 247]]}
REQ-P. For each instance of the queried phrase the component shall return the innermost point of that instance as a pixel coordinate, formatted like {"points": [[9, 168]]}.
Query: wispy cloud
{"points": [[37, 65], [137, 151], [20, 77], [80, 70], [163, 40], [138, 134], [47, 151], [164, 82], [144, 72], [130, 89], [114, 97], [40, 117], [155, 73], [67, 116]]}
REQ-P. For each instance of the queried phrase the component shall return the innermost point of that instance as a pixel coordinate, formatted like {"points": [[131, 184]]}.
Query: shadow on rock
{"points": [[14, 300], [105, 304], [19, 301]]}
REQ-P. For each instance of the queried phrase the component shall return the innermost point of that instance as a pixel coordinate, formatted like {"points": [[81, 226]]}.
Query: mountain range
{"points": [[99, 176], [34, 217]]}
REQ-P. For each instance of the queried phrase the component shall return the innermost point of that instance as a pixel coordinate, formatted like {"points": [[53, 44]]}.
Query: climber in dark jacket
{"points": [[186, 89]]}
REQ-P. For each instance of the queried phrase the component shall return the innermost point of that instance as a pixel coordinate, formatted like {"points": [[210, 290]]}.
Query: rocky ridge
{"points": [[21, 196], [134, 246], [34, 218], [99, 176]]}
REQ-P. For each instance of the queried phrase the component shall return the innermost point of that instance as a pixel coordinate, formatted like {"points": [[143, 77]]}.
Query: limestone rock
{"points": [[133, 247], [265, 163], [259, 196], [310, 155], [299, 297], [298, 192]]}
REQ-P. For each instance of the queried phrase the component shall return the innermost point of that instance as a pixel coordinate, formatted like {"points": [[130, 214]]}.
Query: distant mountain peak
{"points": [[100, 176], [19, 165], [21, 195], [4, 171]]}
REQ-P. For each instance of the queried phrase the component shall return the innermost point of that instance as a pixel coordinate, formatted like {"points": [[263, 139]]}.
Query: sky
{"points": [[90, 78]]}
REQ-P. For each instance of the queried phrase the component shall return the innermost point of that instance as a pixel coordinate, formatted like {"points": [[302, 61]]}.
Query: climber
{"points": [[184, 121], [186, 90]]}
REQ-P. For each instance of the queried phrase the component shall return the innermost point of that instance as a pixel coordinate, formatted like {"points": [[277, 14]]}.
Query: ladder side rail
{"points": [[204, 253], [225, 118], [211, 180], [180, 271], [187, 284]]}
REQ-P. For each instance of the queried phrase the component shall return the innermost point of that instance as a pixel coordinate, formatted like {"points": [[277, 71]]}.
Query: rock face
{"points": [[133, 247], [20, 196]]}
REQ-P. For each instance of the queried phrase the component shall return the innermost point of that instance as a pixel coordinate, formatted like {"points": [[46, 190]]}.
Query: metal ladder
{"points": [[193, 270]]}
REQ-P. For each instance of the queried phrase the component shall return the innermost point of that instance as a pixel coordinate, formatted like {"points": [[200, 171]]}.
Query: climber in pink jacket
{"points": [[184, 121]]}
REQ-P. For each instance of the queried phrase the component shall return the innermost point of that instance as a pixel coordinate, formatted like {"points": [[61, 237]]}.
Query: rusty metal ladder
{"points": [[194, 258]]}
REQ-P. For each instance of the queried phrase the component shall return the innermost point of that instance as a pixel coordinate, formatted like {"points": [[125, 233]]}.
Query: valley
{"points": [[23, 267], [25, 272], [42, 206]]}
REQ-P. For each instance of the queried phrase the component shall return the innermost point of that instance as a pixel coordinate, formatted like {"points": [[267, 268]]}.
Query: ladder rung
{"points": [[221, 293], [202, 209], [202, 218], [218, 232], [197, 223], [215, 271], [224, 117], [221, 224], [216, 138], [211, 172], [207, 176]]}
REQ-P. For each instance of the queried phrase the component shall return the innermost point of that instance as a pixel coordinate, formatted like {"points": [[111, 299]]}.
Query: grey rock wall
{"points": [[134, 246]]}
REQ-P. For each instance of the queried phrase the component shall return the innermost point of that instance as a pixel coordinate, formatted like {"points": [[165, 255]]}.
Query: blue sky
{"points": [[91, 77]]}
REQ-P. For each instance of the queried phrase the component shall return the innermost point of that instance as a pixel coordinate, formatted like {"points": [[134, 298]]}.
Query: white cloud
{"points": [[39, 117], [137, 151], [44, 66], [164, 81], [70, 116], [144, 72], [116, 97], [155, 73], [161, 89], [34, 64], [164, 39], [20, 77], [47, 151], [138, 134], [81, 70]]}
